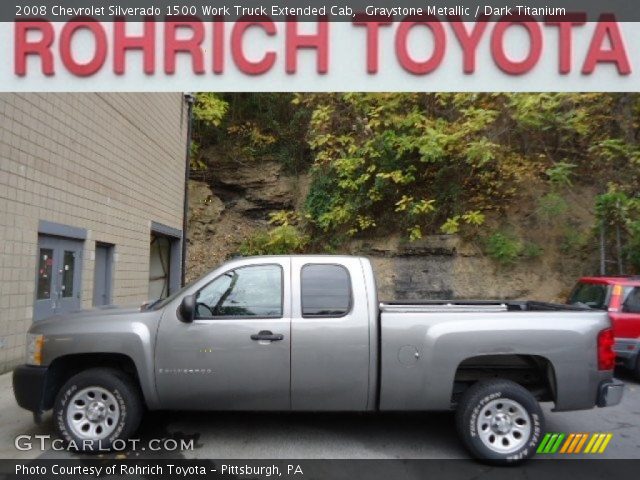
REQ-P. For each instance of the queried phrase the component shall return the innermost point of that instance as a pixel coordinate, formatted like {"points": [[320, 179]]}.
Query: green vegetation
{"points": [[619, 216], [251, 127], [283, 238], [208, 111], [503, 248], [551, 205], [574, 240], [560, 174], [426, 164]]}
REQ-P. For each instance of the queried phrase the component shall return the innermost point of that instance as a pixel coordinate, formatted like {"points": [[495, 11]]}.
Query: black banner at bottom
{"points": [[95, 468]]}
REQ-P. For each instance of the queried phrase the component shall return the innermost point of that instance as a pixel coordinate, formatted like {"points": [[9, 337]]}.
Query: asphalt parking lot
{"points": [[325, 436]]}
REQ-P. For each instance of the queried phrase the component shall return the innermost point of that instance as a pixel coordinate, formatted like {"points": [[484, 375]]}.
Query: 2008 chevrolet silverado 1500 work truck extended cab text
{"points": [[306, 333]]}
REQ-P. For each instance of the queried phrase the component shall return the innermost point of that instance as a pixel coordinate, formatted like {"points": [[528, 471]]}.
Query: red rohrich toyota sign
{"points": [[415, 52]]}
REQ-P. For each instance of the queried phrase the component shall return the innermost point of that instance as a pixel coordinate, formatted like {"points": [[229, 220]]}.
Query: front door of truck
{"points": [[235, 355]]}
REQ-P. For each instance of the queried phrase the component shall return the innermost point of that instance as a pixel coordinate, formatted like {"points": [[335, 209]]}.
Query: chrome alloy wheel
{"points": [[504, 426], [93, 413]]}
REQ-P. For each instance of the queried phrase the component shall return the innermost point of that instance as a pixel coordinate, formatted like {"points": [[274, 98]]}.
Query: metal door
{"points": [[102, 275], [236, 354], [59, 266], [159, 267], [330, 335]]}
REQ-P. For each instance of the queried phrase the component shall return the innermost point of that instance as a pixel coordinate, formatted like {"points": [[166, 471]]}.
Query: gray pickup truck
{"points": [[306, 333]]}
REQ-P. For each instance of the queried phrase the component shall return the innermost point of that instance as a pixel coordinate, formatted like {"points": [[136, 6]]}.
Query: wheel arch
{"points": [[536, 373], [64, 367]]}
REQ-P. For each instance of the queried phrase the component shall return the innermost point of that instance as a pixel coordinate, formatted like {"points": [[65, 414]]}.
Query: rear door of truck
{"points": [[330, 324]]}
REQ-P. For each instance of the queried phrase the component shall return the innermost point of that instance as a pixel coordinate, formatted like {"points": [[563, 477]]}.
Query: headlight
{"points": [[34, 349]]}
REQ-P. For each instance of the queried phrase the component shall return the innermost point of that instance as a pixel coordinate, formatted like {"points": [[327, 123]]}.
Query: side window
{"points": [[326, 291], [254, 291], [632, 301], [593, 295]]}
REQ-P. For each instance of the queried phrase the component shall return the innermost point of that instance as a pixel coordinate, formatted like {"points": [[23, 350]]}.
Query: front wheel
{"points": [[499, 421], [95, 408]]}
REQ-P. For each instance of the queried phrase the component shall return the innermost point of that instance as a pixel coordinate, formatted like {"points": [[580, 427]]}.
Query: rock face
{"points": [[204, 211], [232, 206], [236, 203], [441, 267], [254, 188], [410, 271]]}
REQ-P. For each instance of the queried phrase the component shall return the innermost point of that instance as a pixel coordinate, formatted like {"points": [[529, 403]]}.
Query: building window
{"points": [[45, 273]]}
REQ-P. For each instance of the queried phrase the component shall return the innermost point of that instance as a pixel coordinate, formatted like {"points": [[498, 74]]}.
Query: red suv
{"points": [[621, 297]]}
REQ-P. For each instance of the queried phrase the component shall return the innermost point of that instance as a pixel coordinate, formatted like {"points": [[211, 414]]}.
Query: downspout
{"points": [[190, 99]]}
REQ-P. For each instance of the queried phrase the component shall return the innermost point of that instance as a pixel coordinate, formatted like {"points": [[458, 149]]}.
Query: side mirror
{"points": [[187, 309]]}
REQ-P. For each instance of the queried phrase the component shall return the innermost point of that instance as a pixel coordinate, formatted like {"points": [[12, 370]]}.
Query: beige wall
{"points": [[107, 163]]}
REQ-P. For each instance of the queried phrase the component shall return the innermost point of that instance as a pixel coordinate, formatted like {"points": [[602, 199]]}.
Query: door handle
{"points": [[267, 335]]}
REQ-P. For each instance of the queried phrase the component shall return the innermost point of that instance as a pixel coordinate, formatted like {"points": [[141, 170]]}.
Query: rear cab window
{"points": [[593, 295], [326, 290]]}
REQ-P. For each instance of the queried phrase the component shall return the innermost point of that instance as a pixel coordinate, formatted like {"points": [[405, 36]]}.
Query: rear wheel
{"points": [[97, 407], [499, 421]]}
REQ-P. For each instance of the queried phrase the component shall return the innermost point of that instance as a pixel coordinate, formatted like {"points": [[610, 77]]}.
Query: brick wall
{"points": [[108, 163]]}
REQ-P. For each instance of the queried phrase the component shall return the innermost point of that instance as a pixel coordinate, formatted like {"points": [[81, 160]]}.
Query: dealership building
{"points": [[91, 204]]}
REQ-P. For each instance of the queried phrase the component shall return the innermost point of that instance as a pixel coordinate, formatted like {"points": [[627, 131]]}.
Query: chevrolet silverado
{"points": [[306, 333]]}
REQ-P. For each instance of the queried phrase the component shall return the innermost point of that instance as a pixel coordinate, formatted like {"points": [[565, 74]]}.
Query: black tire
{"points": [[125, 400], [469, 423], [636, 371]]}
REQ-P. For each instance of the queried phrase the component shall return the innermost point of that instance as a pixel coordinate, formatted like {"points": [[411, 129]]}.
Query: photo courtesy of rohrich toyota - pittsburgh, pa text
{"points": [[319, 239]]}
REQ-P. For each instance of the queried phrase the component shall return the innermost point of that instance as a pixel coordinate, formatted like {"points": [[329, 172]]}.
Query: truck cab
{"points": [[620, 296], [269, 333]]}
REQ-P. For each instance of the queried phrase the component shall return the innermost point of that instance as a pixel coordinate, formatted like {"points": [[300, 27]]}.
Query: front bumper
{"points": [[29, 387], [610, 393]]}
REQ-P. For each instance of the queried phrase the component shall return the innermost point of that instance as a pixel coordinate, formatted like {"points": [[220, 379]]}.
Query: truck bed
{"points": [[417, 306], [424, 344]]}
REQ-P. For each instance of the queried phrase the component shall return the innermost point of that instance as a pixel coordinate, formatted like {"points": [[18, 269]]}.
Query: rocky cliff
{"points": [[231, 206], [236, 201]]}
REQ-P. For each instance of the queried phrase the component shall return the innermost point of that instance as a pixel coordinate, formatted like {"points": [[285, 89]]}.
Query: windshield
{"points": [[161, 302], [593, 295]]}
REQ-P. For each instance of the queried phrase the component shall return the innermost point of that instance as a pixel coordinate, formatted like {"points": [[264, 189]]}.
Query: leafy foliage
{"points": [[574, 240], [284, 238], [208, 111], [253, 127], [444, 163], [420, 162], [551, 206], [617, 211], [473, 218], [560, 174], [440, 163], [503, 248]]}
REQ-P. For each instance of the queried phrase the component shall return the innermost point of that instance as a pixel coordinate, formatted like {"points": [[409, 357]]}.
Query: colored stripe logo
{"points": [[574, 443]]}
